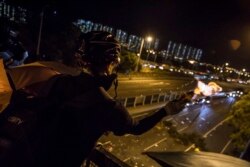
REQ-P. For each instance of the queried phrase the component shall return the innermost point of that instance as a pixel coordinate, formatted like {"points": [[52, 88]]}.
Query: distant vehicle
{"points": [[236, 93], [202, 100]]}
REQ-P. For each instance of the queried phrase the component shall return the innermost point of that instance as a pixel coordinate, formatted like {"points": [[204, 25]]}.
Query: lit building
{"points": [[87, 26], [108, 29], [12, 13], [97, 27], [134, 43], [121, 36], [156, 44], [181, 52], [152, 45]]}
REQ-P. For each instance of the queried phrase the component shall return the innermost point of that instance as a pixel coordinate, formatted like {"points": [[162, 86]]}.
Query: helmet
{"points": [[99, 48]]}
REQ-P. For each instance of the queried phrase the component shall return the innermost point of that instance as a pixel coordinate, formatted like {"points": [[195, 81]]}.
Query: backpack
{"points": [[22, 122]]}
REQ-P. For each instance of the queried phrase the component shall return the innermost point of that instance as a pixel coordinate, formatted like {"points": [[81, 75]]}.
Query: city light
{"points": [[191, 61], [149, 39]]}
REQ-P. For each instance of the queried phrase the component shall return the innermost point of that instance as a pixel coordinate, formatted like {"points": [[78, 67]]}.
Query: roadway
{"points": [[208, 120], [144, 86]]}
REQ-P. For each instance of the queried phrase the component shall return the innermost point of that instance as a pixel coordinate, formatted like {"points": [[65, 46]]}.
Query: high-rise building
{"points": [[121, 36], [13, 13], [97, 27], [156, 44], [134, 43], [108, 29], [87, 26], [181, 52]]}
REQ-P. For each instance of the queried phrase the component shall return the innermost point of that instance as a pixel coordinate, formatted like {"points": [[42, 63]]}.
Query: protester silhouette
{"points": [[83, 110], [12, 50]]}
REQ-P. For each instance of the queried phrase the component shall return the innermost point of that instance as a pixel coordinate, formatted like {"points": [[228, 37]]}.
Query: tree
{"points": [[239, 117], [185, 138], [128, 61]]}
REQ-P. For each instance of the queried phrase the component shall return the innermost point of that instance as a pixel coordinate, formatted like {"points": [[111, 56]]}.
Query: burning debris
{"points": [[204, 89]]}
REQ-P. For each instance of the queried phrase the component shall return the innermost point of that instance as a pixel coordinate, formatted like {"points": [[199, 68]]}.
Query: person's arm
{"points": [[122, 122], [148, 122]]}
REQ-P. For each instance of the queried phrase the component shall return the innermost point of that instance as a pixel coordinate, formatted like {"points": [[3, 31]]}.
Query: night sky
{"points": [[220, 27]]}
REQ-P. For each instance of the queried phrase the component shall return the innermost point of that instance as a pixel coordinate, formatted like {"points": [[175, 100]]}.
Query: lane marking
{"points": [[155, 144], [126, 159], [225, 147], [183, 129], [169, 119], [189, 148], [140, 115], [183, 113], [107, 142], [216, 126], [159, 83], [205, 135]]}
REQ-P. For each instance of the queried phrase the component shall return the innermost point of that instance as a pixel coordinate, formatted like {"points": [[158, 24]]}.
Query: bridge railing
{"points": [[143, 100]]}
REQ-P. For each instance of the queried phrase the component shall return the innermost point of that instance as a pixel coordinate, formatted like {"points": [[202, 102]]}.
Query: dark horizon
{"points": [[208, 25]]}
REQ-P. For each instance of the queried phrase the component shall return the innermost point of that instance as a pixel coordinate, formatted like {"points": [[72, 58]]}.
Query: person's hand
{"points": [[175, 106]]}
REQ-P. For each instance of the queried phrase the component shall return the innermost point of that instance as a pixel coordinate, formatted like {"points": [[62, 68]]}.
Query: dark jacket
{"points": [[86, 114]]}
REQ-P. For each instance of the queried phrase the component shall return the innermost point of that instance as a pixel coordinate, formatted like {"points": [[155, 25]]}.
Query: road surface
{"points": [[207, 120]]}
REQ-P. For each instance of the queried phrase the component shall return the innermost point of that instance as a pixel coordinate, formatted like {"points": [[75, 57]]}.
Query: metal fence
{"points": [[150, 99]]}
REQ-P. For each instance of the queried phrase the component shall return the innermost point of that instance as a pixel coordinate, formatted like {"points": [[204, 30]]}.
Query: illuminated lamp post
{"points": [[148, 39], [40, 31], [40, 28]]}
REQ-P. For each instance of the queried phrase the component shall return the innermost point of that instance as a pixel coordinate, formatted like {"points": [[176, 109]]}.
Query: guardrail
{"points": [[142, 100], [150, 99]]}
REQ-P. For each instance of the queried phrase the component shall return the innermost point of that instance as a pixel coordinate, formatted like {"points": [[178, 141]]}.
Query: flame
{"points": [[207, 89]]}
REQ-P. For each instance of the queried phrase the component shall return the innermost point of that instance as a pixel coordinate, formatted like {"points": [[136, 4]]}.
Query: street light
{"points": [[148, 39], [40, 32], [41, 27]]}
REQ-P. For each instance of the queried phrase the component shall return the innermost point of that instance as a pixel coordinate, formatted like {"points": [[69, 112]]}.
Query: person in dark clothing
{"points": [[87, 110], [11, 49]]}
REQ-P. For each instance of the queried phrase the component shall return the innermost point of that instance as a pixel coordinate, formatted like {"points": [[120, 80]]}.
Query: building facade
{"points": [[175, 51], [12, 13], [181, 52]]}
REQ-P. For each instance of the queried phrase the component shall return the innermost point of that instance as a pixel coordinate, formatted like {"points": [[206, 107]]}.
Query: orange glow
{"points": [[234, 44], [207, 89], [5, 89]]}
